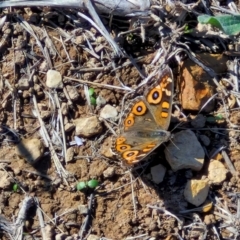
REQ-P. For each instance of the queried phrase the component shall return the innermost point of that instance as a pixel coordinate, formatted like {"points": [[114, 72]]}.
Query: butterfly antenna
{"points": [[174, 144], [184, 117]]}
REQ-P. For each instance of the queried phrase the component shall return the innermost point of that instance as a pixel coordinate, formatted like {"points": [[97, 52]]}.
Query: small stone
{"points": [[185, 151], [23, 83], [209, 219], [69, 127], [31, 149], [93, 237], [5, 180], [158, 173], [88, 126], [69, 154], [19, 58], [60, 236], [44, 111], [216, 172], [196, 87], [72, 92], [171, 237], [198, 121], [83, 209], [26, 94], [153, 226], [70, 238], [196, 191], [54, 79], [64, 109], [38, 91], [205, 140], [100, 101], [108, 111], [154, 235], [49, 232], [43, 67], [109, 172], [106, 147]]}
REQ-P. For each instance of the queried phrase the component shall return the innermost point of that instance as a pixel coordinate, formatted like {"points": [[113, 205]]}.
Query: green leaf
{"points": [[15, 187], [219, 117], [81, 186], [91, 91], [93, 183], [93, 101], [214, 119], [187, 29], [229, 24], [211, 119]]}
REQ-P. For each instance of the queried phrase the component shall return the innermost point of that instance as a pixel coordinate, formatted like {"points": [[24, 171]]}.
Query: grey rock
{"points": [[185, 151]]}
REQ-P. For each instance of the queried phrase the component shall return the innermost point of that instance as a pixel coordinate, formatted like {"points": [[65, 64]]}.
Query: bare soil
{"points": [[123, 203]]}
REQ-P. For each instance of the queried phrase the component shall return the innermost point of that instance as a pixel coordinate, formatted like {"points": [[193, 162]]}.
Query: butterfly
{"points": [[146, 120]]}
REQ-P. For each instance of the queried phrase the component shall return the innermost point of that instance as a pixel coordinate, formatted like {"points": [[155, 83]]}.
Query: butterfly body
{"points": [[145, 121]]}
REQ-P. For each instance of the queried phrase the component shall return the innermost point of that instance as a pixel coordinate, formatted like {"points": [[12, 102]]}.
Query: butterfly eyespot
{"points": [[129, 121], [130, 156], [155, 95], [123, 147], [120, 140], [139, 108]]}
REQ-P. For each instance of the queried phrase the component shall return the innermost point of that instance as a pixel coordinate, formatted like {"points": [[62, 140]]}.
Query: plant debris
{"points": [[62, 64]]}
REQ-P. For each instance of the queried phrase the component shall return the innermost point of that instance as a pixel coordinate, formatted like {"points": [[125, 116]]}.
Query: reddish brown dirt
{"points": [[122, 203]]}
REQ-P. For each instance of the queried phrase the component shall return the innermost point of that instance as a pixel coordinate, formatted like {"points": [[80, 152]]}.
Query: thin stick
{"points": [[133, 197], [97, 84], [61, 171], [41, 220], [62, 126], [86, 220], [229, 163]]}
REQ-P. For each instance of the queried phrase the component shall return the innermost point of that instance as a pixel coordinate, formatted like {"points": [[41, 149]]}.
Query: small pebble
{"points": [[199, 121], [30, 149], [88, 126], [69, 127], [158, 173], [217, 172], [108, 111], [205, 140], [196, 191], [93, 237], [73, 93], [184, 152], [64, 109], [5, 180], [23, 83], [69, 154], [60, 236], [100, 101], [109, 172], [54, 79], [83, 209]]}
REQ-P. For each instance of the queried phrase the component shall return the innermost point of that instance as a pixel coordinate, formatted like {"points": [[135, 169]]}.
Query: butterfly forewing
{"points": [[145, 121]]}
